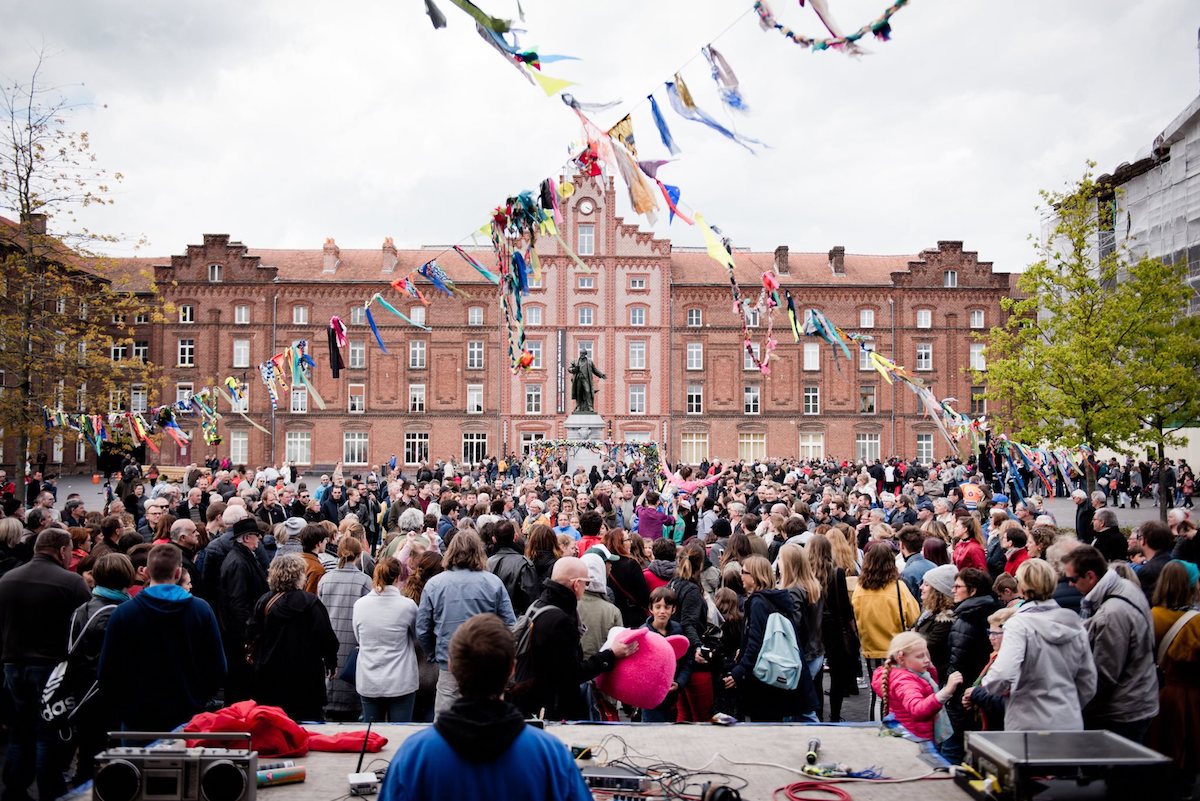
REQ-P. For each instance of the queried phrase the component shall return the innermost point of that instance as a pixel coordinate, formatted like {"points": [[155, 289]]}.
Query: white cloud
{"points": [[282, 123]]}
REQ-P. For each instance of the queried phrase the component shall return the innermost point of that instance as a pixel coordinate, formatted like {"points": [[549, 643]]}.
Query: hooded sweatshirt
{"points": [[1045, 668], [478, 746], [164, 626], [659, 573], [596, 612]]}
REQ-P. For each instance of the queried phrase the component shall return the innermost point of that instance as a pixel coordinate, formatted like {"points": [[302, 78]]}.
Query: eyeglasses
{"points": [[995, 632], [1072, 579]]}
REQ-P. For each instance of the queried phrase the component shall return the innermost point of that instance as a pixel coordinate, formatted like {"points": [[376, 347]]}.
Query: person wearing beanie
{"points": [[937, 615]]}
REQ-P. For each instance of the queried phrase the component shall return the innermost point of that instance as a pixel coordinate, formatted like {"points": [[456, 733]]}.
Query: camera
{"points": [[706, 652], [170, 771]]}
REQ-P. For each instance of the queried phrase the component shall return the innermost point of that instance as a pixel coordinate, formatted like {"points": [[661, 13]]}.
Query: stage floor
{"points": [[725, 749]]}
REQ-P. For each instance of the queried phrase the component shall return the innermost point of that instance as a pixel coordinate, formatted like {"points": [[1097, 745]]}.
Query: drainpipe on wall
{"points": [[892, 315], [274, 323]]}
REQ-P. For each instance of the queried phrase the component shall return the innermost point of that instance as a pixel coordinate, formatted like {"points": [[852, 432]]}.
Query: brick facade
{"points": [[637, 293]]}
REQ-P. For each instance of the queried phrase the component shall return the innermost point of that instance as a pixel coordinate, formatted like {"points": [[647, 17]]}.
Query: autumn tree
{"points": [[68, 318], [1070, 365]]}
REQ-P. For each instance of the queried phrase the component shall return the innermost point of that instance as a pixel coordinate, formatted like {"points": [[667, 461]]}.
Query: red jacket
{"points": [[910, 699], [1014, 561], [969, 553]]}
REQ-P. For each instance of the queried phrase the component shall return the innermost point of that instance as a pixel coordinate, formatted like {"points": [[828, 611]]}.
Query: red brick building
{"points": [[657, 320]]}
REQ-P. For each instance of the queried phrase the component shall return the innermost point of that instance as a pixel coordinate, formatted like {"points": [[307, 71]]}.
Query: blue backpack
{"points": [[779, 660]]}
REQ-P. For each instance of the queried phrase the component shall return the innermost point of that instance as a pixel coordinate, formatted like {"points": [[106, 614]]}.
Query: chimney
{"points": [[331, 256], [837, 260], [36, 223], [390, 257], [781, 260]]}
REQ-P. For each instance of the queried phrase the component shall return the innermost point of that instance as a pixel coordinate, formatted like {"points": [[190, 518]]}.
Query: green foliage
{"points": [[1091, 336]]}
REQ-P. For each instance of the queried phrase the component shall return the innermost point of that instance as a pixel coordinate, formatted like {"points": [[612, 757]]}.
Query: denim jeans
{"points": [[397, 709], [814, 666], [35, 750]]}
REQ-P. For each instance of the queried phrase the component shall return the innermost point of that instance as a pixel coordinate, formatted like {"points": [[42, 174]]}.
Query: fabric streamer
{"points": [[435, 15], [484, 271], [236, 394], [696, 114], [727, 82], [406, 286], [712, 245], [481, 18], [548, 84], [337, 341], [379, 299], [793, 319], [640, 196], [302, 367], [822, 11], [623, 133], [671, 193], [880, 27], [375, 330], [574, 103], [434, 274], [664, 132]]}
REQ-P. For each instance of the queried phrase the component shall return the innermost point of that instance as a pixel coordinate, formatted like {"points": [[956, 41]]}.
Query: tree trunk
{"points": [[1163, 504]]}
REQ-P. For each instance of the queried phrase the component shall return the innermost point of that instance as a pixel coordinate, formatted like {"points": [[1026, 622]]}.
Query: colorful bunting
{"points": [[689, 111], [727, 82], [880, 27], [664, 132]]}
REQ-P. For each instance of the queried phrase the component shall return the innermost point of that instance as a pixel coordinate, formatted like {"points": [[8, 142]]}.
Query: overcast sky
{"points": [[283, 122]]}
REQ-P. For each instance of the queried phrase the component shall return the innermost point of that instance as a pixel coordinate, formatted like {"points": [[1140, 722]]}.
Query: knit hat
{"points": [[293, 526], [1192, 570], [941, 578]]}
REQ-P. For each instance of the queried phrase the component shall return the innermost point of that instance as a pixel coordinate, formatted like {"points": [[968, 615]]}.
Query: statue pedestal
{"points": [[584, 427]]}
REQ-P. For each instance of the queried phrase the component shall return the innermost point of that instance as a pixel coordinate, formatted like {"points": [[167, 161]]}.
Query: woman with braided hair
{"points": [[906, 684]]}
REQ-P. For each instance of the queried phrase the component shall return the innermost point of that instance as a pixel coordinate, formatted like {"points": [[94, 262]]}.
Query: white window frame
{"points": [[977, 318], [747, 362], [866, 447], [358, 315], [141, 350], [533, 316], [474, 398], [244, 404], [119, 352], [534, 346], [528, 438], [297, 447], [752, 446], [752, 318], [694, 399], [416, 447], [474, 316], [925, 448], [950, 279], [533, 399], [978, 355], [924, 361], [139, 398], [359, 392], [864, 360], [241, 314], [977, 407], [475, 354], [416, 354], [241, 353], [417, 315], [866, 318], [586, 240], [637, 283], [183, 391], [239, 447], [812, 399], [693, 447], [924, 318], [214, 273], [637, 316], [874, 396], [474, 446], [811, 445], [356, 448], [586, 316], [186, 352], [299, 400], [586, 282], [416, 399], [356, 355], [187, 314], [812, 356], [637, 399], [141, 318], [637, 354], [695, 318], [695, 356], [300, 315], [752, 399], [589, 346]]}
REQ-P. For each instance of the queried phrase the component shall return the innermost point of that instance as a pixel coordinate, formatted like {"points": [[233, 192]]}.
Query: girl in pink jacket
{"points": [[907, 685]]}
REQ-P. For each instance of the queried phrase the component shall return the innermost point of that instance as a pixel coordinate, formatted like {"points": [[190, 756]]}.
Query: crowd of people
{"points": [[346, 597]]}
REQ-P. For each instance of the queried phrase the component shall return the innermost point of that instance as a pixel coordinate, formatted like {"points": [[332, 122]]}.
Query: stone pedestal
{"points": [[584, 427]]}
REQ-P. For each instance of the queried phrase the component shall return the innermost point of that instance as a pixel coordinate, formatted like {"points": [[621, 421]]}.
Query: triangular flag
{"points": [[551, 86], [712, 244]]}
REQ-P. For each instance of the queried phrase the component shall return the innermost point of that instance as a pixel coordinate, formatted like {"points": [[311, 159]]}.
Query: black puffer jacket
{"points": [[690, 610], [969, 643]]}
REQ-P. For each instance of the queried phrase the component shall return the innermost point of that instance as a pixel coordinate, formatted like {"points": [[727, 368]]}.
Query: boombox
{"points": [[170, 771]]}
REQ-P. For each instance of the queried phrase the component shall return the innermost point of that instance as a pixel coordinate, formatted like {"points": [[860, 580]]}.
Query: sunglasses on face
{"points": [[1072, 579]]}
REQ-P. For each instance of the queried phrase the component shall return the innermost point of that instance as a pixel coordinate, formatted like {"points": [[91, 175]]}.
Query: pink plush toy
{"points": [[643, 679]]}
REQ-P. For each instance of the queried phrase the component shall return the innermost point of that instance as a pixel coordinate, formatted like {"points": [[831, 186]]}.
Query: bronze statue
{"points": [[583, 389]]}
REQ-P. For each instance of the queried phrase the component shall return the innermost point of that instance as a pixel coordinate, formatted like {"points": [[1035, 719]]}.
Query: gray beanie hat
{"points": [[941, 578]]}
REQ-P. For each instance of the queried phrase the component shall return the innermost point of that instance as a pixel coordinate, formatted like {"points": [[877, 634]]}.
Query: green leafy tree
{"points": [[69, 320], [1070, 365]]}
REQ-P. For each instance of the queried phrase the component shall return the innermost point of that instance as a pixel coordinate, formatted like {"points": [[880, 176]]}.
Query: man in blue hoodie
{"points": [[480, 747], [164, 626]]}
